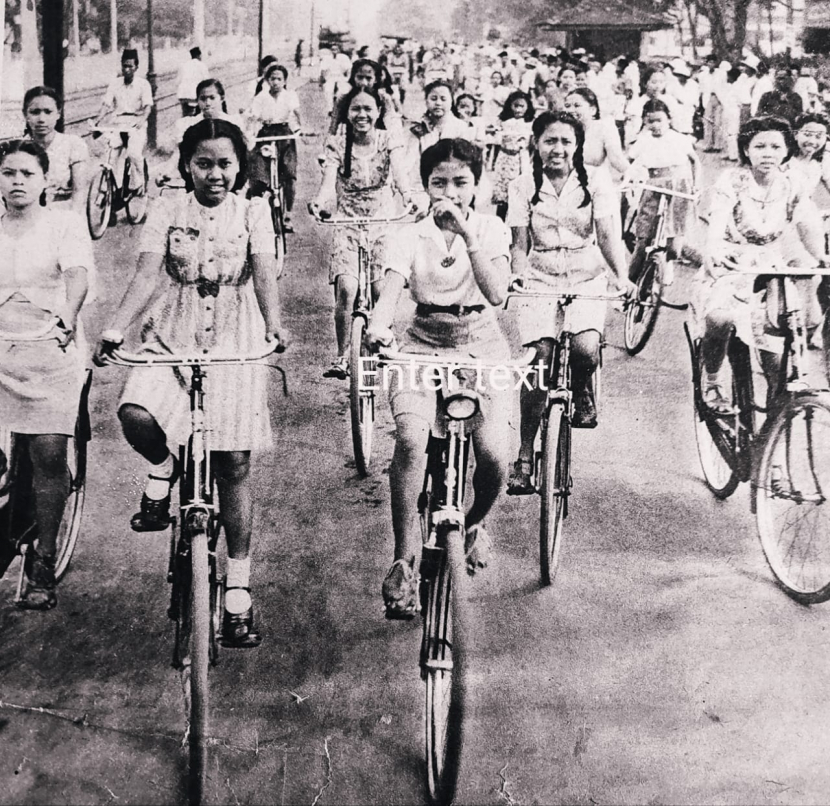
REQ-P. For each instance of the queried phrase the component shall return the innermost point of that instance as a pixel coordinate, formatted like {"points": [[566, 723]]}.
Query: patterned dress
{"points": [[512, 159], [207, 305]]}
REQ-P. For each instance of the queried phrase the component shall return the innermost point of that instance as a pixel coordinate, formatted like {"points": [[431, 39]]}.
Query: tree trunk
{"points": [[727, 22]]}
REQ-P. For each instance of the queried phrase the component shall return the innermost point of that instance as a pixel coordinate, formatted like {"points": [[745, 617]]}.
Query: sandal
{"points": [[519, 482], [400, 591], [478, 546], [715, 399], [339, 369], [40, 583], [154, 516], [238, 630]]}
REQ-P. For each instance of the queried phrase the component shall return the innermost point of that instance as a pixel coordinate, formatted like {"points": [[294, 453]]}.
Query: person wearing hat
{"points": [[746, 84], [191, 74], [128, 102], [686, 91]]}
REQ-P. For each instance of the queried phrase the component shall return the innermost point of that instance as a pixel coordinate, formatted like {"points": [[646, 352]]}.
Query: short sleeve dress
{"points": [[366, 193], [564, 255], [65, 151], [207, 305], [40, 384], [441, 278]]}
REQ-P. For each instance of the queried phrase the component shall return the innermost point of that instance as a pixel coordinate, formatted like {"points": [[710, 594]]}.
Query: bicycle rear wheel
{"points": [[135, 206], [554, 487], [361, 397], [200, 625], [73, 510], [99, 201], [791, 489], [443, 666], [641, 315]]}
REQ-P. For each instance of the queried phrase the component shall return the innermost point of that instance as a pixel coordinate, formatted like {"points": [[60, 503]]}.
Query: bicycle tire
{"points": [[444, 666], [788, 493], [361, 399], [135, 207], [200, 618], [99, 200], [641, 315], [554, 484], [278, 221]]}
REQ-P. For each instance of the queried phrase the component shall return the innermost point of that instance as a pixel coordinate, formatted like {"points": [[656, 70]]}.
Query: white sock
{"points": [[157, 489], [238, 576]]}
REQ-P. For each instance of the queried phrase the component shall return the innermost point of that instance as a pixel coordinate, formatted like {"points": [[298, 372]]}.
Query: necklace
{"points": [[448, 261]]}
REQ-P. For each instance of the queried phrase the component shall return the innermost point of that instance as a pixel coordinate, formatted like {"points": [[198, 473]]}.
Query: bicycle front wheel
{"points": [[136, 204], [791, 506], [641, 314], [443, 662], [361, 397], [554, 487], [200, 624], [277, 219], [99, 200]]}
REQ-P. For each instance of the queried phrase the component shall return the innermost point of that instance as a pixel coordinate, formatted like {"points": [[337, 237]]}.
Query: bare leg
{"points": [[345, 289], [143, 433], [490, 442], [232, 471], [406, 479]]}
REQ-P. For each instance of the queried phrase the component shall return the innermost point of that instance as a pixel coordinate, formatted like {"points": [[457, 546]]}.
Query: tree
{"points": [[727, 25]]}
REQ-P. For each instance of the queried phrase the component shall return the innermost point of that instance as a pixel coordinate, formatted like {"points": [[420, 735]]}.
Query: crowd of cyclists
{"points": [[511, 162]]}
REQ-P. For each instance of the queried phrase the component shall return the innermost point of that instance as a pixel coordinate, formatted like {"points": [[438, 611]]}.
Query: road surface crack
{"points": [[327, 783], [503, 792]]}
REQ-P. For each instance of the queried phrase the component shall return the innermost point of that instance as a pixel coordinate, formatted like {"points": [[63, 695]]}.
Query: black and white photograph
{"points": [[414, 402]]}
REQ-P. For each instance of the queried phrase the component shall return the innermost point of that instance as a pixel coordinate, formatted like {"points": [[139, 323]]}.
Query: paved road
{"points": [[664, 666]]}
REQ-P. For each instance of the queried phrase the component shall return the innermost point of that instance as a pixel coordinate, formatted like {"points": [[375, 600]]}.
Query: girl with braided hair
{"points": [[562, 216], [361, 163]]}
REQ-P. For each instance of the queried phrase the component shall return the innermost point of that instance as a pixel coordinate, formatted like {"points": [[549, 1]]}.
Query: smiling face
{"points": [[365, 77], [556, 148], [42, 115], [582, 80], [439, 102], [767, 151], [580, 108], [128, 68], [452, 181], [210, 102], [810, 138], [363, 113], [22, 180], [213, 167]]}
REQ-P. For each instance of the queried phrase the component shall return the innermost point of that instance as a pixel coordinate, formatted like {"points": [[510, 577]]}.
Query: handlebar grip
{"points": [[111, 339]]}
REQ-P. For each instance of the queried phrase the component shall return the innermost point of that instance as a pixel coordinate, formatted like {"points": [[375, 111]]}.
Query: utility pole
{"points": [[231, 14], [312, 42], [29, 45], [114, 30], [151, 77], [261, 29], [76, 28], [53, 44], [199, 23]]}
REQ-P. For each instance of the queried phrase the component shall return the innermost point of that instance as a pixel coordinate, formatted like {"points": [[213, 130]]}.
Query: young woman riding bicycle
{"points": [[562, 215], [205, 283], [455, 263], [45, 276]]}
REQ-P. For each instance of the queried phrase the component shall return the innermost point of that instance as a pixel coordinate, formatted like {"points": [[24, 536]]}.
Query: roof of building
{"points": [[605, 15]]}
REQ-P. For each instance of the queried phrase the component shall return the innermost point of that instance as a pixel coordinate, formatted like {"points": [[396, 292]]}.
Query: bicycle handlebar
{"points": [[517, 289], [388, 356], [113, 355], [359, 222], [655, 189], [280, 137]]}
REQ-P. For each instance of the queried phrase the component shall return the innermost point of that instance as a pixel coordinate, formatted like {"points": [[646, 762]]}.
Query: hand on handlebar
{"points": [[110, 340], [624, 287], [517, 283], [377, 337], [279, 336], [316, 211]]}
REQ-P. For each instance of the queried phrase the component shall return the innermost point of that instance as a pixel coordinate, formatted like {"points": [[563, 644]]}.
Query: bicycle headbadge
{"points": [[268, 150]]}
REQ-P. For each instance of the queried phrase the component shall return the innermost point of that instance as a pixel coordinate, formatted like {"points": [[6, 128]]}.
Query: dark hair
{"points": [[507, 112], [460, 98], [343, 119], [27, 147], [766, 123], [499, 74], [129, 53], [263, 63], [213, 82], [654, 105], [451, 149], [540, 125], [213, 129], [564, 69], [813, 117], [589, 96], [646, 77], [275, 66], [438, 83], [41, 92]]}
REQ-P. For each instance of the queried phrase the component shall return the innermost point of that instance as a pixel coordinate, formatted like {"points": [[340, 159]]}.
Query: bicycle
{"points": [[443, 576], [196, 592], [551, 468], [105, 195], [361, 361], [18, 527], [268, 148], [641, 315]]}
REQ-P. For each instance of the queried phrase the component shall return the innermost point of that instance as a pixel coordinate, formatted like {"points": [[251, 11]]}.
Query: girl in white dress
{"points": [[205, 282], [44, 280]]}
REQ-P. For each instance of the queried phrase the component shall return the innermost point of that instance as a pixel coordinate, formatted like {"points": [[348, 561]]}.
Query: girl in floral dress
{"points": [[361, 164], [45, 276], [512, 158], [205, 284]]}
